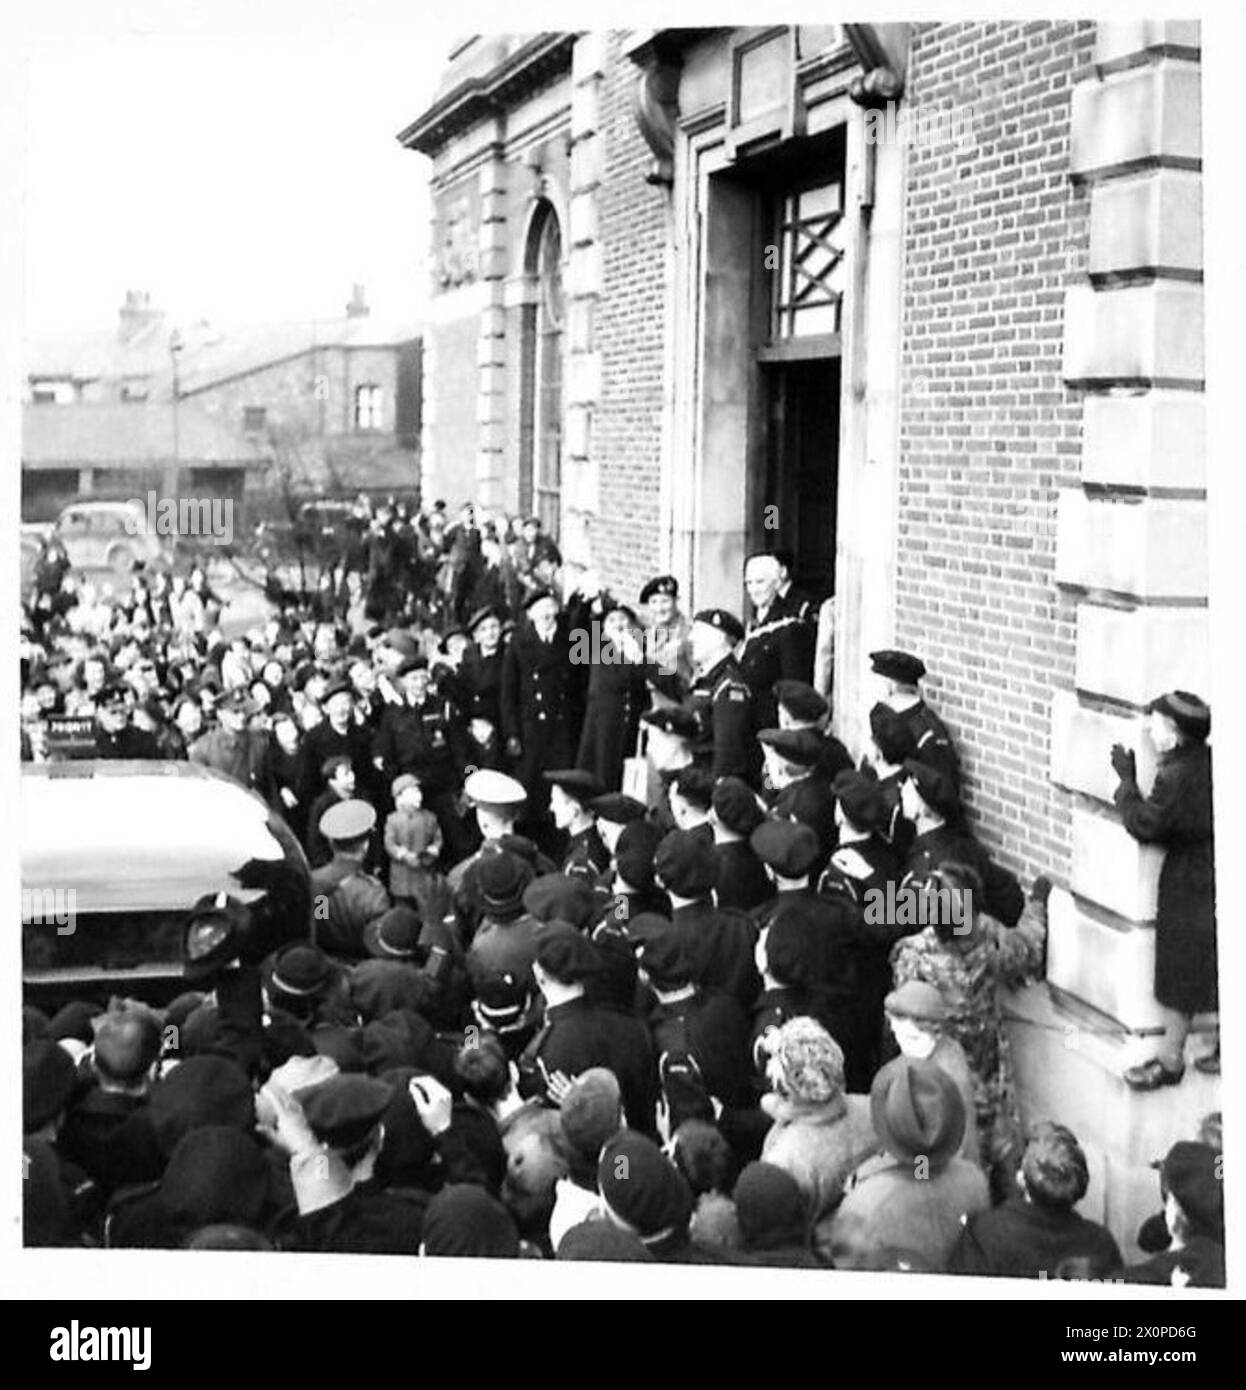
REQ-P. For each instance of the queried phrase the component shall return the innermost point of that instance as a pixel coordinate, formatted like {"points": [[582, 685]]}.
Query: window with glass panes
{"points": [[540, 464], [807, 278]]}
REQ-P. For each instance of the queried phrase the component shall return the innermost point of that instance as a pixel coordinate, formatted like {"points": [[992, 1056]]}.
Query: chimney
{"points": [[137, 315], [358, 306]]}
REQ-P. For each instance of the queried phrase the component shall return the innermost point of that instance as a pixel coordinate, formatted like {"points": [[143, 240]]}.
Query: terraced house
{"points": [[922, 304]]}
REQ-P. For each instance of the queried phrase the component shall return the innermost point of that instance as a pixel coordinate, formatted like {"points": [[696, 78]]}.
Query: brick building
{"points": [[922, 303]]}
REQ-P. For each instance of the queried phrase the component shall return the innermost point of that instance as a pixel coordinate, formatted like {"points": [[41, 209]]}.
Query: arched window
{"points": [[540, 434]]}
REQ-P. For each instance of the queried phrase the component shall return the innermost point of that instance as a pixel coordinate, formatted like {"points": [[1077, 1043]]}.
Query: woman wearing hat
{"points": [[1177, 815], [616, 694]]}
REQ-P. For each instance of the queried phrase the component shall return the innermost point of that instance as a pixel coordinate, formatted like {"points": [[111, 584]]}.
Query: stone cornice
{"points": [[547, 56]]}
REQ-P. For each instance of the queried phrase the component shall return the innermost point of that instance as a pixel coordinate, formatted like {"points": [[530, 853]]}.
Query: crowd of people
{"points": [[617, 952]]}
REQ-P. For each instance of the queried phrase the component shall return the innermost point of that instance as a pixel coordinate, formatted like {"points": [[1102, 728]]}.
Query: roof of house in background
{"points": [[132, 433], [98, 353]]}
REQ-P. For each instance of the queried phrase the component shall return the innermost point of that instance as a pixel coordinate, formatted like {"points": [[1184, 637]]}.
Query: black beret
{"points": [[895, 739], [345, 1109], [646, 925], [861, 798], [48, 1080], [686, 864], [934, 787], [695, 784], [736, 806], [664, 959], [560, 897], [409, 664], [898, 666], [566, 955], [662, 584], [800, 700], [480, 615], [634, 853], [788, 846], [338, 687], [537, 595], [203, 1090], [804, 747], [576, 782], [1186, 711], [618, 808], [726, 623], [672, 720]]}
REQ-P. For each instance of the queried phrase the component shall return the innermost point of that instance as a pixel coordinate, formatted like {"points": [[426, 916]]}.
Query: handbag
{"points": [[638, 774]]}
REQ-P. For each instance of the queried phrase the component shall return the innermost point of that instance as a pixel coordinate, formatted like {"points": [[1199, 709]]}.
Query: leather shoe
{"points": [[1150, 1076]]}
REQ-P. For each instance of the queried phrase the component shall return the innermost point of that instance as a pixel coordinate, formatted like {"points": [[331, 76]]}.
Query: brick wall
{"points": [[627, 428], [994, 235]]}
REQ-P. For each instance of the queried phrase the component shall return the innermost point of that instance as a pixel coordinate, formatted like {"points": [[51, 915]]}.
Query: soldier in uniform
{"points": [[346, 898], [721, 698], [893, 745], [669, 632], [778, 644], [538, 715], [742, 879], [801, 793], [801, 707], [571, 791], [234, 748], [903, 671]]}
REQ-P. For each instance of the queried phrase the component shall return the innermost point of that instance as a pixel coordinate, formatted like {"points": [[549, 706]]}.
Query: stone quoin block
{"points": [[1110, 967], [1139, 332], [1081, 747], [581, 314], [494, 177], [1137, 654], [1154, 440], [1155, 547], [1122, 38], [1150, 220], [584, 378], [1142, 113], [586, 160], [584, 270], [578, 431], [583, 218], [585, 110], [588, 57], [1111, 868]]}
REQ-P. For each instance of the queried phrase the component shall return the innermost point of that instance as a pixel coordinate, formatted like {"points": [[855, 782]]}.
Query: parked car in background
{"points": [[108, 535]]}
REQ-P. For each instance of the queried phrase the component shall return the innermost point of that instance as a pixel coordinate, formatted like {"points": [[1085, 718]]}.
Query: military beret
{"points": [[861, 798], [331, 765], [575, 782], [788, 846], [345, 1109], [566, 955], [669, 686], [917, 1000], [726, 623], [487, 788], [736, 806], [804, 747], [298, 971], [501, 878], [537, 595], [558, 896], [696, 785], [443, 646], [898, 666], [793, 951], [800, 700], [48, 1080], [634, 853], [348, 820], [401, 641], [672, 720], [895, 739], [663, 584], [394, 935], [523, 847], [410, 664], [338, 686], [617, 808], [482, 615], [1191, 1172], [686, 865], [1186, 711], [645, 1190], [663, 958], [645, 925], [934, 787], [112, 695]]}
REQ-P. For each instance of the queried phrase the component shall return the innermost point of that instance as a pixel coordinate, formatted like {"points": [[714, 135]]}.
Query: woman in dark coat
{"points": [[616, 698], [1177, 816], [478, 686]]}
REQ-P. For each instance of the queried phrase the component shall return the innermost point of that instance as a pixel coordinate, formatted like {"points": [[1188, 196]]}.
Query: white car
{"points": [[107, 535]]}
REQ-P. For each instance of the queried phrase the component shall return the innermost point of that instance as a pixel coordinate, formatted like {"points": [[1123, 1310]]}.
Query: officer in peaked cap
{"points": [[903, 673], [721, 698], [494, 789], [352, 897]]}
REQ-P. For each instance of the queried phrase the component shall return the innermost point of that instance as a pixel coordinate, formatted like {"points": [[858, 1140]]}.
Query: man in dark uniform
{"points": [[778, 644], [578, 1034], [115, 736], [929, 801], [234, 749], [902, 671], [721, 698], [346, 899], [801, 792], [571, 791], [719, 942], [801, 707], [538, 716], [742, 879]]}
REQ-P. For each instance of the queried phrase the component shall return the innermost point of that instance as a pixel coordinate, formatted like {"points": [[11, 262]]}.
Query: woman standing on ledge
{"points": [[1177, 815]]}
